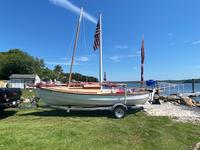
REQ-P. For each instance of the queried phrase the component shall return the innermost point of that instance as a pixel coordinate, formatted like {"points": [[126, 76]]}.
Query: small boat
{"points": [[87, 97], [92, 94]]}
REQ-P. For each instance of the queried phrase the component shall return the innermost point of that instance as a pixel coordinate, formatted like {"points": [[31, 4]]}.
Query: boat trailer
{"points": [[118, 110]]}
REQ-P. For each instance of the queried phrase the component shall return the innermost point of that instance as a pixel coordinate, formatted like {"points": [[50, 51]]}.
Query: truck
{"points": [[9, 98]]}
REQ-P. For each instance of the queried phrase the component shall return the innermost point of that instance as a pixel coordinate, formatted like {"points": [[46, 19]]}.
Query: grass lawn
{"points": [[28, 93], [46, 128]]}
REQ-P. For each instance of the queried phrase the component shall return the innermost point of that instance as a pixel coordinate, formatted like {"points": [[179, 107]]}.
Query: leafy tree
{"points": [[47, 74], [16, 61], [58, 71]]}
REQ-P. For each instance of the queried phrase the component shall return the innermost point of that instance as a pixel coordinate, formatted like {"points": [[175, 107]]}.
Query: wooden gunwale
{"points": [[92, 93]]}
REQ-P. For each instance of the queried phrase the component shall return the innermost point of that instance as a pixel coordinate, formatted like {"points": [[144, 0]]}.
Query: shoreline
{"points": [[180, 113]]}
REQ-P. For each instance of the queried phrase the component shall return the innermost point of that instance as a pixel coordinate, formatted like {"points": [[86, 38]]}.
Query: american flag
{"points": [[97, 37], [142, 62]]}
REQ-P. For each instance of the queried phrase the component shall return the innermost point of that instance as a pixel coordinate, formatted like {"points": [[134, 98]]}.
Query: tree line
{"points": [[181, 81], [16, 61]]}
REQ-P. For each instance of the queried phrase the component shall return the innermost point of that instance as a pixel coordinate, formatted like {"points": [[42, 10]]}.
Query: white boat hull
{"points": [[57, 98]]}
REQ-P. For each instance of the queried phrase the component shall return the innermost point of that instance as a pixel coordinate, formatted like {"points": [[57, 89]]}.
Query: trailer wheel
{"points": [[119, 112]]}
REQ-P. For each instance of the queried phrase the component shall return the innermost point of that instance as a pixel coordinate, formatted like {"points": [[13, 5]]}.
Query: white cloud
{"points": [[121, 46], [70, 6], [83, 59], [115, 58], [170, 34], [196, 42]]}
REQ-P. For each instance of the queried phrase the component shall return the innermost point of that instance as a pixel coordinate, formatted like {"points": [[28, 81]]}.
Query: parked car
{"points": [[9, 97]]}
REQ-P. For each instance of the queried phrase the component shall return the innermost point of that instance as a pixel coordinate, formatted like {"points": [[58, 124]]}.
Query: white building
{"points": [[23, 80]]}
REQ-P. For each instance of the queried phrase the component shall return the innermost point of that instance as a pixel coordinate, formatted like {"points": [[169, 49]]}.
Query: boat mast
{"points": [[142, 62], [100, 51], [75, 45]]}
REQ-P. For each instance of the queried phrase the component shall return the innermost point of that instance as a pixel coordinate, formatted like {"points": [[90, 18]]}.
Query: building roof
{"points": [[23, 76]]}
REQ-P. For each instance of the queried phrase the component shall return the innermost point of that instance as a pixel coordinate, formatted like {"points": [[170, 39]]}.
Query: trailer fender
{"points": [[119, 104]]}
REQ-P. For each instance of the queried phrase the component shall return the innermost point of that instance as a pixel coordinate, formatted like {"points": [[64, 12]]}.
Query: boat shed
{"points": [[23, 80]]}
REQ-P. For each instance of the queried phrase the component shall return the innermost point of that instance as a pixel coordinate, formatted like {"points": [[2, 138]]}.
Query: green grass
{"points": [[45, 128], [26, 93]]}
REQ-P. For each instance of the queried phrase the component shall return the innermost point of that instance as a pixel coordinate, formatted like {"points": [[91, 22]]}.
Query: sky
{"points": [[46, 29]]}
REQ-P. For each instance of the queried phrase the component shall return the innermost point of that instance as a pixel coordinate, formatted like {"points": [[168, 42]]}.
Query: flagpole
{"points": [[100, 51], [75, 45]]}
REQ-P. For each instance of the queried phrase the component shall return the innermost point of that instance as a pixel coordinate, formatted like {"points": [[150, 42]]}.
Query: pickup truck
{"points": [[9, 97]]}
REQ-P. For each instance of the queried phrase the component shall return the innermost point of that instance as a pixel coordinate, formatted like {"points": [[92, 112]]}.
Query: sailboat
{"points": [[91, 94]]}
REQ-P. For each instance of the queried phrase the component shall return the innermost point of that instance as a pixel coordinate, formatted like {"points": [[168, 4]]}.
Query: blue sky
{"points": [[171, 30]]}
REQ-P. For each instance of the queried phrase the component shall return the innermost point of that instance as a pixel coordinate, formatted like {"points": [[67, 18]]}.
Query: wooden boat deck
{"points": [[75, 90]]}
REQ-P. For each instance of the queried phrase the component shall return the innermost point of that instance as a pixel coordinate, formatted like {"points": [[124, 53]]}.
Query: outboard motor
{"points": [[153, 88]]}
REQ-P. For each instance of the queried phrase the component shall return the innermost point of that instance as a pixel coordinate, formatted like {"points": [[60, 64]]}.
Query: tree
{"points": [[58, 71], [16, 61]]}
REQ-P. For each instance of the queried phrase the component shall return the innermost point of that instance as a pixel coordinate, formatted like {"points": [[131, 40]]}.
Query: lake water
{"points": [[179, 88]]}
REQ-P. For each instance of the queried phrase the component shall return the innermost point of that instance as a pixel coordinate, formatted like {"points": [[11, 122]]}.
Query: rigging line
{"points": [[71, 41], [84, 37]]}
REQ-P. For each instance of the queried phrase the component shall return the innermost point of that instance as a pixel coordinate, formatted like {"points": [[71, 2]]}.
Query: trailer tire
{"points": [[119, 112]]}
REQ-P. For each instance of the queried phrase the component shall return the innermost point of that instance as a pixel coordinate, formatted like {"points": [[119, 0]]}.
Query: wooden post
{"points": [[193, 85]]}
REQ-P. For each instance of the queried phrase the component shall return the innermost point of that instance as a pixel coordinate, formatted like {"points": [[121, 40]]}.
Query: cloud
{"points": [[196, 42], [83, 59], [115, 58], [170, 34], [121, 46], [73, 8]]}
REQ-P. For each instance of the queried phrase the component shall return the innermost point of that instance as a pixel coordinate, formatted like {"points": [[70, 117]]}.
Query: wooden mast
{"points": [[75, 45]]}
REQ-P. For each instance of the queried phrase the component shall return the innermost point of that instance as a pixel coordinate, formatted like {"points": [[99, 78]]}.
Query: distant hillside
{"points": [[181, 81], [170, 81]]}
